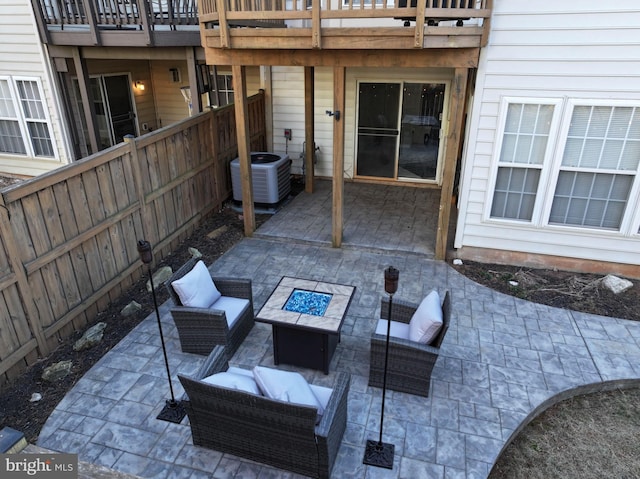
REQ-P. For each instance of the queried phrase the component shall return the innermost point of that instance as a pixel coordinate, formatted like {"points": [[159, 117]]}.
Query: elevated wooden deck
{"points": [[118, 23], [266, 24], [344, 24]]}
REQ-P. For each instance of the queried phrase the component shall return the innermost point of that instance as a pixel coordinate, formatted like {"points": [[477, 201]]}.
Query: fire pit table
{"points": [[306, 317]]}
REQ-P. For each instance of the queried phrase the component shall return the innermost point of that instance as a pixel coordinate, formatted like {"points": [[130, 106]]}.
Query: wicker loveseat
{"points": [[410, 363], [200, 329], [278, 433]]}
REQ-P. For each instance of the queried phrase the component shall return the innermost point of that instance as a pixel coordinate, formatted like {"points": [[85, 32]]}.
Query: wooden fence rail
{"points": [[68, 239]]}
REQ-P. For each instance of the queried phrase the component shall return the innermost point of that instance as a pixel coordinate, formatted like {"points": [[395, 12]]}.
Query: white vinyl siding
{"points": [[24, 126], [586, 56]]}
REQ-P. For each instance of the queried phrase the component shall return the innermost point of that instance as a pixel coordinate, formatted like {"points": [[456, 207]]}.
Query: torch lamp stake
{"points": [[378, 453], [173, 410]]}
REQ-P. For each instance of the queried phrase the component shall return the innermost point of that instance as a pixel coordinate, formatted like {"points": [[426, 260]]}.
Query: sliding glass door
{"points": [[114, 107], [378, 129], [399, 126]]}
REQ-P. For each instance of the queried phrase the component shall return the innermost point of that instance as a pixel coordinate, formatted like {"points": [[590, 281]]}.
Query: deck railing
{"points": [[344, 24], [280, 10], [119, 13], [372, 17], [68, 239]]}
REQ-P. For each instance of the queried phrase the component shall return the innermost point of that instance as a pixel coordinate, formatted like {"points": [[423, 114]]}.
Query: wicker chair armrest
{"points": [[234, 287], [402, 310], [216, 318], [216, 362], [336, 406], [404, 346], [331, 428]]}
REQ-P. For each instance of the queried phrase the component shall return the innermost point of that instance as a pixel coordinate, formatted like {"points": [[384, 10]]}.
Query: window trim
{"points": [[23, 121], [537, 214]]}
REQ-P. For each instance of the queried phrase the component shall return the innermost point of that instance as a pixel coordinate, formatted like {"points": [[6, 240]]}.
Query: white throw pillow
{"points": [[196, 288], [286, 386], [426, 322], [233, 381]]}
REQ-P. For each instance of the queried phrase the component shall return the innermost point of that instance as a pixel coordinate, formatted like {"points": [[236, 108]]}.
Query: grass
{"points": [[587, 437]]}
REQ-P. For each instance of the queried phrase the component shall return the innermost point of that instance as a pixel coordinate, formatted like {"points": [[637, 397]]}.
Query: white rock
{"points": [[513, 283], [457, 261], [132, 308], [35, 397], [160, 277], [616, 285]]}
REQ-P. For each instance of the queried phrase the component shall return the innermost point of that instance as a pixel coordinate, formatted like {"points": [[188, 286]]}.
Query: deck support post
{"points": [[338, 155], [458, 99], [309, 129], [244, 146], [87, 103]]}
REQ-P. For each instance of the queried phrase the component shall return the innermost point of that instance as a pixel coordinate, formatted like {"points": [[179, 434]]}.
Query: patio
{"points": [[502, 358]]}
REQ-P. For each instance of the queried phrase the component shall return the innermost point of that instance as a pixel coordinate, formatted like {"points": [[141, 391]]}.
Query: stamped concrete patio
{"points": [[502, 361]]}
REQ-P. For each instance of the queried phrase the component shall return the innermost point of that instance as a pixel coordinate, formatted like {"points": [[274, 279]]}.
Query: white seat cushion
{"points": [[398, 329], [196, 289], [286, 386], [232, 380], [243, 372], [232, 307], [322, 393], [426, 322]]}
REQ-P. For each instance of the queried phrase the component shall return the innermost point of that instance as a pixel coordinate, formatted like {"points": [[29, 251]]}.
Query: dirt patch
{"points": [[8, 180], [562, 289]]}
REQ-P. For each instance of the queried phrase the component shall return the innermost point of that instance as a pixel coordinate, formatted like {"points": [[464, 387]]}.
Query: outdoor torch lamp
{"points": [[173, 410], [378, 453]]}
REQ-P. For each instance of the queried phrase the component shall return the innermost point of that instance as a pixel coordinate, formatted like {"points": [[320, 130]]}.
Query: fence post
{"points": [[137, 177], [21, 278]]}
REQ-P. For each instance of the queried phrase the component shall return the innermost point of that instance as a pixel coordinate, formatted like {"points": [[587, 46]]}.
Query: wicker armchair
{"points": [[410, 363], [200, 329], [269, 431]]}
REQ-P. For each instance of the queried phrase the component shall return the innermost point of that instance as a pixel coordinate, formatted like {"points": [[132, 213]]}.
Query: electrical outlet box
{"points": [[287, 133], [145, 127]]}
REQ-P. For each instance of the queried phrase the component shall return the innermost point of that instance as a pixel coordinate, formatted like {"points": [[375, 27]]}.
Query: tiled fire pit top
{"points": [[307, 303]]}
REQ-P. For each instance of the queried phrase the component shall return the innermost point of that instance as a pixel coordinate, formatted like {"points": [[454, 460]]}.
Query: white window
{"points": [[10, 135], [225, 90], [599, 166], [586, 180], [24, 126], [525, 143]]}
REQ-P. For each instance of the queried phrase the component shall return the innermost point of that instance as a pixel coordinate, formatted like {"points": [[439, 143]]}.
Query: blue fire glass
{"points": [[307, 302]]}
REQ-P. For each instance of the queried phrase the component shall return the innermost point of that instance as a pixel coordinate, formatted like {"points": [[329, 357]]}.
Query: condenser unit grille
{"points": [[271, 180]]}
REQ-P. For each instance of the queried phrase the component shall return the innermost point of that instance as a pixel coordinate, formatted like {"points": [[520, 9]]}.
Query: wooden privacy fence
{"points": [[68, 239]]}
